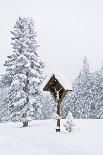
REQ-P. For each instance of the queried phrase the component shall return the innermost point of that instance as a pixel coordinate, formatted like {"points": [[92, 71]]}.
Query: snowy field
{"points": [[40, 138]]}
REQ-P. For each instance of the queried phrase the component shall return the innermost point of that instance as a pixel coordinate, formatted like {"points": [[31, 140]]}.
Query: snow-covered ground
{"points": [[40, 138]]}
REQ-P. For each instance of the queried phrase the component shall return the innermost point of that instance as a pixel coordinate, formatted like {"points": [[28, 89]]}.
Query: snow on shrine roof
{"points": [[63, 81], [60, 77]]}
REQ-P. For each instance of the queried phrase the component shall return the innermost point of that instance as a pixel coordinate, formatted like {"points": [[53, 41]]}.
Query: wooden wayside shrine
{"points": [[58, 86]]}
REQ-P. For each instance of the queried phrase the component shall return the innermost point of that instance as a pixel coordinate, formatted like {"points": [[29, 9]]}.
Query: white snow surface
{"points": [[40, 138], [61, 78]]}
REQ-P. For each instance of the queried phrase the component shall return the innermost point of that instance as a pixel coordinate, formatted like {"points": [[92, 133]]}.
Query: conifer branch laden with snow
{"points": [[25, 70]]}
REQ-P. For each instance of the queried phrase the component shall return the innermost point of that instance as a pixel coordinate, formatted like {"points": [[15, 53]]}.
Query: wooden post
{"points": [[58, 108], [25, 123], [58, 120]]}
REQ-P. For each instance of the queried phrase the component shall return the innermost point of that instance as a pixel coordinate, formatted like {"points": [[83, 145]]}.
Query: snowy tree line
{"points": [[86, 99]]}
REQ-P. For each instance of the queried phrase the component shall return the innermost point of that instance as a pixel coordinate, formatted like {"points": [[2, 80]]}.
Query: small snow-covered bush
{"points": [[69, 122]]}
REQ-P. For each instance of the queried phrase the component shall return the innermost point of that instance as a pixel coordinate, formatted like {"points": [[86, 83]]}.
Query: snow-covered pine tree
{"points": [[86, 85], [79, 101], [25, 70], [74, 101], [97, 104]]}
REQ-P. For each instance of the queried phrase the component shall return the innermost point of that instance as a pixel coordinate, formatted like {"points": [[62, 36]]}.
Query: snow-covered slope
{"points": [[40, 138]]}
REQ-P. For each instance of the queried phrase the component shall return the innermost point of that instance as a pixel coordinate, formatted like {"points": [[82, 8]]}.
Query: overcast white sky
{"points": [[67, 31]]}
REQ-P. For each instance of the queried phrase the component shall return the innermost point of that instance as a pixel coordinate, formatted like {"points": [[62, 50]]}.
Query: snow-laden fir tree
{"points": [[73, 102], [79, 101], [25, 71], [97, 104], [85, 91]]}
